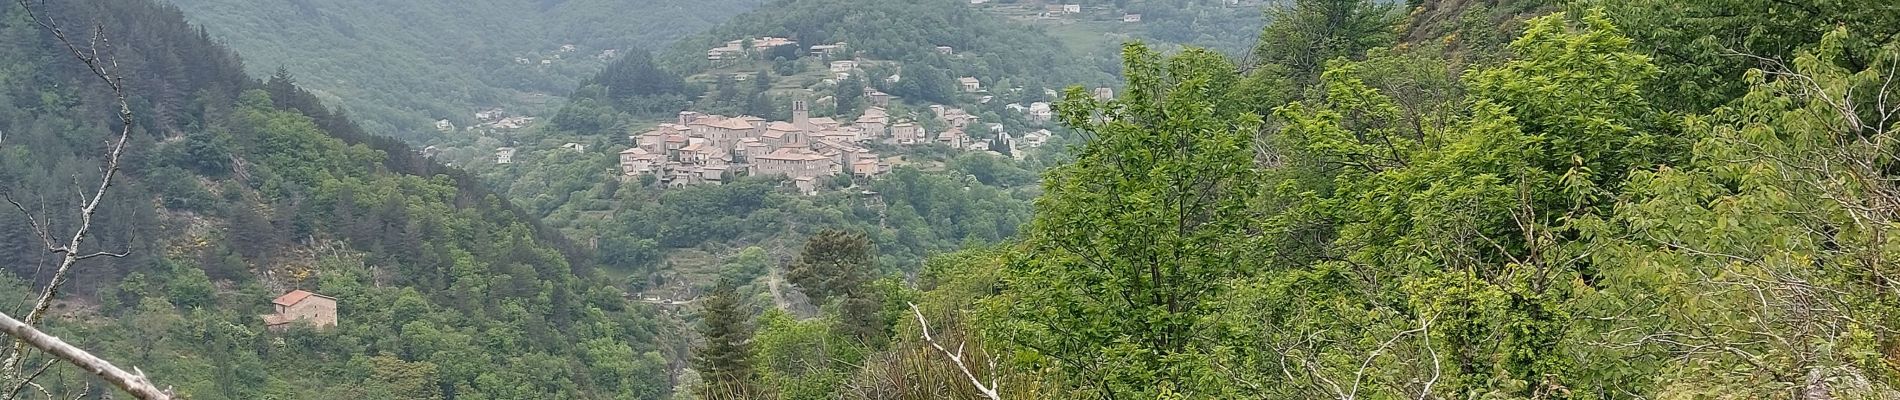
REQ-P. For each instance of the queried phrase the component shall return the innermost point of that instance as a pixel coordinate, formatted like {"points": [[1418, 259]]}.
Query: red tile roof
{"points": [[292, 298]]}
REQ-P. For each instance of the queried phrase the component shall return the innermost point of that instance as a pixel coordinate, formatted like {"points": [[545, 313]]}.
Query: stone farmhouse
{"points": [[317, 310]]}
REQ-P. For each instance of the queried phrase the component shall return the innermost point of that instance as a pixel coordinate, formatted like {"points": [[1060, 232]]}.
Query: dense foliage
{"points": [[1563, 214], [1441, 199]]}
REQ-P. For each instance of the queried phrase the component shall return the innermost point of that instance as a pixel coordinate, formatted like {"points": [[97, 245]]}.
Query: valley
{"points": [[963, 199]]}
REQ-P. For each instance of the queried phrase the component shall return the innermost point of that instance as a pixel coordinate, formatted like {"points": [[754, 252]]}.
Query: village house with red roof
{"points": [[301, 306]]}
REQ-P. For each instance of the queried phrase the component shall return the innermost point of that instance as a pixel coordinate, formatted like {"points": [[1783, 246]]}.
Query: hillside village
{"points": [[702, 148]]}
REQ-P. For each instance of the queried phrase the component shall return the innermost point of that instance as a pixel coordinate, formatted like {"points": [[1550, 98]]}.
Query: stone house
{"points": [[873, 125], [827, 49], [317, 310], [957, 118], [1037, 138], [504, 155], [1040, 112], [636, 161], [792, 162], [866, 168], [907, 133], [970, 84], [953, 138]]}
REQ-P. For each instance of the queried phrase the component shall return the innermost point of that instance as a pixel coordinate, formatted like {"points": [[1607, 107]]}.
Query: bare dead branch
{"points": [[1360, 376], [17, 388], [95, 57], [133, 382], [989, 391]]}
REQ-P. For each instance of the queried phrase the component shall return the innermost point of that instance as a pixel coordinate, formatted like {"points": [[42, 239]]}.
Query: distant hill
{"points": [[236, 190], [983, 45], [398, 66]]}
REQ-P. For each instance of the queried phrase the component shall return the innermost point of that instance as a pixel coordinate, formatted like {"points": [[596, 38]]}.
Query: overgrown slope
{"points": [[237, 190]]}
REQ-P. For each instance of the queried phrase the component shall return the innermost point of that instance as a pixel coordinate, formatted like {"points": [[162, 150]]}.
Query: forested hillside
{"points": [[675, 242], [235, 190], [399, 66], [1367, 199], [986, 46]]}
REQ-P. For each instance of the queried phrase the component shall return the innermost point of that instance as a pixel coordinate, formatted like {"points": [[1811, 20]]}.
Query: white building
{"points": [[1040, 112], [970, 84], [504, 155]]}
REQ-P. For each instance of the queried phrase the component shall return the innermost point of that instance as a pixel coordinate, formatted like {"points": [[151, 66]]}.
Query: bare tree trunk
{"points": [[133, 382], [25, 335], [990, 390]]}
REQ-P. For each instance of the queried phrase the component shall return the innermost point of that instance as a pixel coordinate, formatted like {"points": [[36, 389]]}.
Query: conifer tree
{"points": [[833, 264], [838, 265], [723, 359]]}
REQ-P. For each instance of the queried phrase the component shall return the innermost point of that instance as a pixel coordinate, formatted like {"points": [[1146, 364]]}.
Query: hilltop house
{"points": [[1037, 138], [970, 84], [956, 118], [317, 310], [1039, 112], [877, 98], [504, 155], [907, 132], [636, 161], [827, 49], [844, 65], [953, 138], [489, 115]]}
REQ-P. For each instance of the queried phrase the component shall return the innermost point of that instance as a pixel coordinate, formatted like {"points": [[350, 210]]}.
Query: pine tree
{"points": [[833, 264], [838, 265], [722, 359]]}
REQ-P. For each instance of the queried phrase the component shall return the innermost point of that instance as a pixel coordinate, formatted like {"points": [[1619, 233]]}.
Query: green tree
{"points": [[724, 359], [836, 265], [1304, 35], [1705, 47], [188, 287], [833, 264], [1720, 262], [391, 377], [1132, 240], [1463, 242]]}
